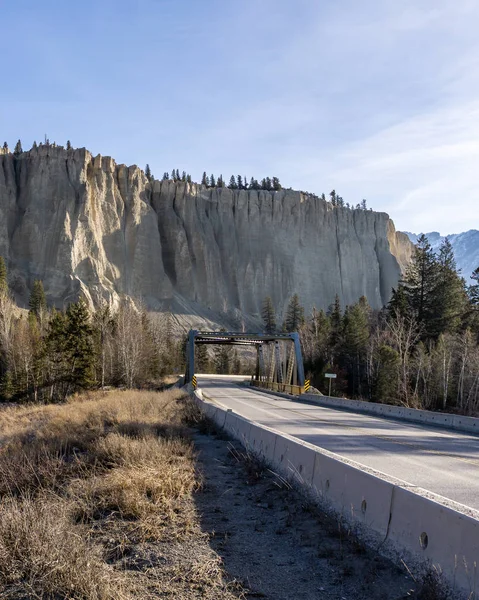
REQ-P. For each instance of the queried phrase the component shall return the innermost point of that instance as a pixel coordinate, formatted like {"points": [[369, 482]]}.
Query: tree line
{"points": [[421, 351], [236, 182], [48, 354]]}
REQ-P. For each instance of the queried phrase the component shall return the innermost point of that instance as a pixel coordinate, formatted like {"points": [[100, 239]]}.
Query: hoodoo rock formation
{"points": [[85, 224]]}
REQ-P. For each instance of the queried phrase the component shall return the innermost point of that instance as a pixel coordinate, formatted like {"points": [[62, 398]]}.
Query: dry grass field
{"points": [[96, 501], [119, 495]]}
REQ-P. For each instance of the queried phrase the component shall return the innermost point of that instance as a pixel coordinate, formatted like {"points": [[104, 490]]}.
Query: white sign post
{"points": [[330, 376]]}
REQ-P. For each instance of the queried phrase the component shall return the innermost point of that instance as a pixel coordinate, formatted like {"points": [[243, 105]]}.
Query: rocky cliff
{"points": [[84, 223]]}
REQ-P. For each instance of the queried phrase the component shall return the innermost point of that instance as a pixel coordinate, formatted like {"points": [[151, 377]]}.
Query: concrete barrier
{"points": [[440, 534], [400, 517], [262, 442], [294, 460], [357, 495]]}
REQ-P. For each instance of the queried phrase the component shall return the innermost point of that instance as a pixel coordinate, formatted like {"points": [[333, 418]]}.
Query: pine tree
{"points": [[450, 298], [220, 183], [294, 315], [37, 302], [173, 175], [204, 179], [183, 177], [276, 184], [148, 172], [354, 344], [332, 195], [188, 178], [34, 146], [252, 185], [268, 184], [79, 345], [212, 181], [166, 176], [18, 148], [421, 283], [5, 147], [69, 145], [245, 183], [399, 304], [269, 316], [233, 185], [364, 204], [240, 182], [3, 277]]}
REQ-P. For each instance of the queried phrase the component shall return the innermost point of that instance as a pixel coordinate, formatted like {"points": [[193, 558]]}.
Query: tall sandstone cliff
{"points": [[85, 224]]}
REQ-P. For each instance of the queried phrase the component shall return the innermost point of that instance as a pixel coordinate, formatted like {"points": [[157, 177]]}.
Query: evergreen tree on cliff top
{"points": [[269, 316], [232, 184], [276, 184]]}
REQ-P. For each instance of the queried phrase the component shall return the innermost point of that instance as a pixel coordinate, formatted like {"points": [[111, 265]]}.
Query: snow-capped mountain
{"points": [[465, 245]]}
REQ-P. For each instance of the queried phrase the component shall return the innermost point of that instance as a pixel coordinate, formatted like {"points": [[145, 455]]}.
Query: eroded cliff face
{"points": [[84, 223]]}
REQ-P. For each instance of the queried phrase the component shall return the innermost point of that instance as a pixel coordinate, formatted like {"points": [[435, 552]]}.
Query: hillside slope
{"points": [[84, 223]]}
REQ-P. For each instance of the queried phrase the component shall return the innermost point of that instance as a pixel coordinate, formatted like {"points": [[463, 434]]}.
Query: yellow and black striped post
{"points": [[194, 383], [307, 385]]}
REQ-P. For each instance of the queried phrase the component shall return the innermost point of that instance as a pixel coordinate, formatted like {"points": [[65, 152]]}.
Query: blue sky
{"points": [[378, 99]]}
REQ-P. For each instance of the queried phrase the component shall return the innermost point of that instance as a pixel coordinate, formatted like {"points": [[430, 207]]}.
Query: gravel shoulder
{"points": [[276, 543]]}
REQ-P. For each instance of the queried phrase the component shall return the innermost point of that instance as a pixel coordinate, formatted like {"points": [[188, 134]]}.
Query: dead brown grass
{"points": [[44, 556], [81, 484]]}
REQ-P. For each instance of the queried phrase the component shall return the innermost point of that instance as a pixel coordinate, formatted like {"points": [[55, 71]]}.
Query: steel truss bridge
{"points": [[279, 362]]}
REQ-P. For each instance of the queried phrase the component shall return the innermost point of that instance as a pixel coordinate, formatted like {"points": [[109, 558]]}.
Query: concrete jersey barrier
{"points": [[418, 527]]}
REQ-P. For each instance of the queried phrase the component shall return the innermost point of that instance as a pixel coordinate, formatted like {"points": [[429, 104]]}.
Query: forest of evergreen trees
{"points": [[422, 350]]}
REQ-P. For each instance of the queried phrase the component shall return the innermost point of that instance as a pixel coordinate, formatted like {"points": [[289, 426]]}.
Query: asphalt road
{"points": [[440, 461]]}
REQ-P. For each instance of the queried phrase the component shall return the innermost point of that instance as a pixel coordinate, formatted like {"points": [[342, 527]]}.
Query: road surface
{"points": [[440, 461]]}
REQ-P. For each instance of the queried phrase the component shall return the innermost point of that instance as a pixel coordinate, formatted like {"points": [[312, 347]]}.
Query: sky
{"points": [[377, 99]]}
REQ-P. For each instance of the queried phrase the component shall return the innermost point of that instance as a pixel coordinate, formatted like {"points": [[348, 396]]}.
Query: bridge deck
{"points": [[443, 462]]}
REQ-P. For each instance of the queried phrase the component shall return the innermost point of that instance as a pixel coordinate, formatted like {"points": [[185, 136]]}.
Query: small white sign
{"points": [[330, 375]]}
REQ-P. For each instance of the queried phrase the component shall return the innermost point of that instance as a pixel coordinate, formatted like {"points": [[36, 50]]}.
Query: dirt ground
{"points": [[276, 543]]}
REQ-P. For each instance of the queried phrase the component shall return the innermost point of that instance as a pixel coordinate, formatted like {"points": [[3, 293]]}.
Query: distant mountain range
{"points": [[465, 245]]}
